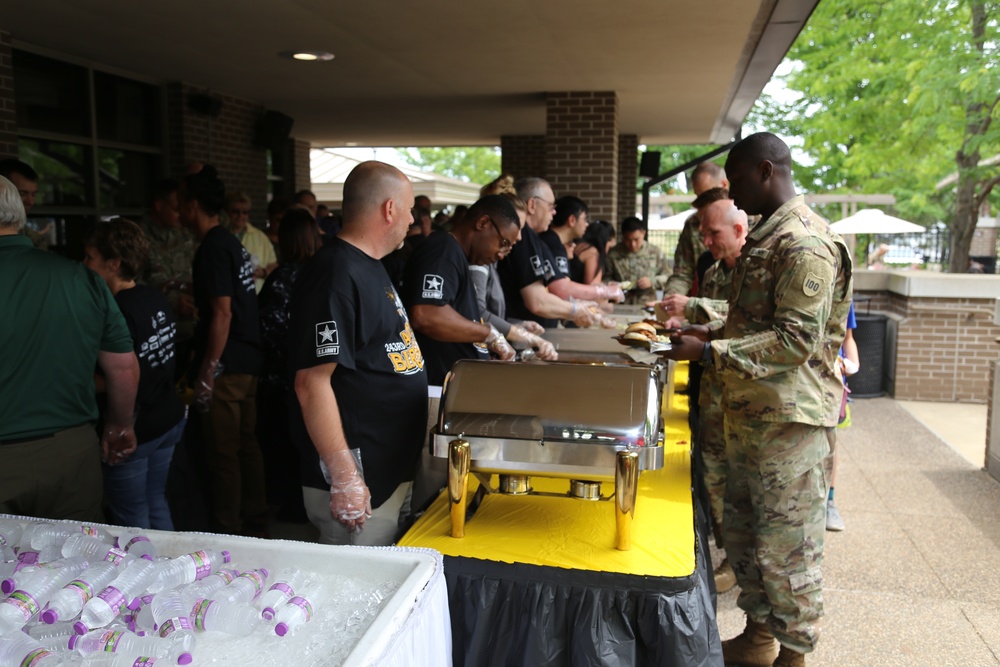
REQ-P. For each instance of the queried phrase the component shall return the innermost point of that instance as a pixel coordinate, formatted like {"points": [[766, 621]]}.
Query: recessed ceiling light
{"points": [[307, 55], [350, 143]]}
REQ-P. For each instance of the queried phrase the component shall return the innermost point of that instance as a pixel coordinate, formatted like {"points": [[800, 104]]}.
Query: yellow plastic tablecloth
{"points": [[571, 533]]}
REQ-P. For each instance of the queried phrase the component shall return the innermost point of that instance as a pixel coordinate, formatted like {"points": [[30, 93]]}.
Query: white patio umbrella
{"points": [[673, 223], [874, 221]]}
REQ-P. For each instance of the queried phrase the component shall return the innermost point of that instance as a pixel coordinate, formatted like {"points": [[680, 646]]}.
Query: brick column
{"points": [[523, 155], [581, 149], [301, 169], [8, 119], [628, 176]]}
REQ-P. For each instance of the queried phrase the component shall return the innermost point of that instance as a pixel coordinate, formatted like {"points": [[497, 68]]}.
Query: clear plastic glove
{"points": [[543, 349], [204, 386], [607, 322], [850, 366], [350, 499], [117, 443], [498, 345], [585, 313], [532, 327], [611, 292]]}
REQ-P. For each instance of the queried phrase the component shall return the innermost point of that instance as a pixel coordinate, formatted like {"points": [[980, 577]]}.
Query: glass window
{"points": [[127, 111], [126, 178], [64, 171], [50, 96]]}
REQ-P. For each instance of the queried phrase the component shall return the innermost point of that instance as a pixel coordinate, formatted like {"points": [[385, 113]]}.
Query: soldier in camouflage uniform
{"points": [[705, 176], [633, 260], [777, 354]]}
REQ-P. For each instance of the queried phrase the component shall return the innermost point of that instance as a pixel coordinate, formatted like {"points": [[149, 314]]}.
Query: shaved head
{"points": [[706, 176], [368, 186], [760, 147], [724, 211], [760, 174], [723, 229]]}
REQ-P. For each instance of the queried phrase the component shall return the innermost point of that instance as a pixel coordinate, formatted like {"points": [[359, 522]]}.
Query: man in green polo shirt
{"points": [[59, 323]]}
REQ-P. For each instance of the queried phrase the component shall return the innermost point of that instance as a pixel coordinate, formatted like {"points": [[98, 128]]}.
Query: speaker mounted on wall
{"points": [[649, 165], [273, 129]]}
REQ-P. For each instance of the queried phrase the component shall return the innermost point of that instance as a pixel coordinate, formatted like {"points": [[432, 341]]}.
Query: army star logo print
{"points": [[433, 287], [327, 340]]}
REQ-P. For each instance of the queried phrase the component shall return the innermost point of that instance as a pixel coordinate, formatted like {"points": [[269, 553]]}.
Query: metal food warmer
{"points": [[581, 422]]}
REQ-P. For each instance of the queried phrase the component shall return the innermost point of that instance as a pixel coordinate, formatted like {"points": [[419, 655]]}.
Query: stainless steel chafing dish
{"points": [[581, 422]]}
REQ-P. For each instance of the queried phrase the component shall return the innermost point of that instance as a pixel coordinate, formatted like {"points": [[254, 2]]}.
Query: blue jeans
{"points": [[135, 491]]}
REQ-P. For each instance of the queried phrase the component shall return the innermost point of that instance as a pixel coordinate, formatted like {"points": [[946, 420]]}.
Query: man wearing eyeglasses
{"points": [[262, 255], [438, 291]]}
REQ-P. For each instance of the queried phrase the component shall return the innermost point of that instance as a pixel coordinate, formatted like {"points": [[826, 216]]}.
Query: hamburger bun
{"points": [[642, 327]]}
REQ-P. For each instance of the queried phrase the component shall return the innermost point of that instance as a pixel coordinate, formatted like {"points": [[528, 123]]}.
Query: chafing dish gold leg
{"points": [[459, 457], [626, 489]]}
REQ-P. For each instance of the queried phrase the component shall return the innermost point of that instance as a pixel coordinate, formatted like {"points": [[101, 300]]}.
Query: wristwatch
{"points": [[706, 354]]}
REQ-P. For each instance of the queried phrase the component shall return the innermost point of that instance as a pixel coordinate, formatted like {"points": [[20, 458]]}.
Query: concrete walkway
{"points": [[915, 578]]}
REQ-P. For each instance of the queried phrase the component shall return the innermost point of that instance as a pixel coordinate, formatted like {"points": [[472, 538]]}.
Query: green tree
{"points": [[474, 164], [893, 97]]}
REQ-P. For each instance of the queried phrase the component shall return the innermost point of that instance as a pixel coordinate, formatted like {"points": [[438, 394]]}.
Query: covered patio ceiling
{"points": [[439, 72]]}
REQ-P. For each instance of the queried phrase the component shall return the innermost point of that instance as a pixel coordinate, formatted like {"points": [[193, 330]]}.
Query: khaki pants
{"points": [[57, 477], [380, 530], [233, 456]]}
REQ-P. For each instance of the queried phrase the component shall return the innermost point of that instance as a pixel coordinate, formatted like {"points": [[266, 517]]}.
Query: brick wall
{"points": [[581, 148], [984, 242], [944, 350], [300, 173], [226, 141], [523, 155], [628, 174], [993, 423], [8, 119]]}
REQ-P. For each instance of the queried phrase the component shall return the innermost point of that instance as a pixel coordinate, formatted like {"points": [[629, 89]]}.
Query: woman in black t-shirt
{"points": [[135, 489]]}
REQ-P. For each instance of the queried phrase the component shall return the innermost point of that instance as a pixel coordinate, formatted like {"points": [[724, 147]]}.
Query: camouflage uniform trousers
{"points": [[712, 441], [775, 523]]}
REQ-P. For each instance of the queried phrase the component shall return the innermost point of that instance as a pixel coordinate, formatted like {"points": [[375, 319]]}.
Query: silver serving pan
{"points": [[551, 419]]}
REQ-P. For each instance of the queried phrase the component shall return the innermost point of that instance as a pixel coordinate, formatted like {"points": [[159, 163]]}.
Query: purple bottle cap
{"points": [[131, 626], [146, 599], [264, 570], [147, 557], [135, 604], [80, 627], [72, 641], [281, 629], [267, 614], [184, 659], [49, 616], [7, 586], [226, 557]]}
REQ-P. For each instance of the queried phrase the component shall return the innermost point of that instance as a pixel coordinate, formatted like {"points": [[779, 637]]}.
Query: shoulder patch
{"points": [[812, 284], [760, 252]]}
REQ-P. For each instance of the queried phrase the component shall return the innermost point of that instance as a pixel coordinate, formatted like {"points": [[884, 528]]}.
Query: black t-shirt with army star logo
{"points": [[437, 274], [560, 259], [528, 262], [344, 310], [222, 268]]}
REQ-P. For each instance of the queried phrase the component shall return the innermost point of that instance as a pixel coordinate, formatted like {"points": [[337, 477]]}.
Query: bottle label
{"points": [[303, 604], [82, 589], [199, 611], [202, 564], [90, 530], [173, 625], [114, 598], [35, 657], [24, 603], [115, 556], [135, 540], [258, 581], [144, 662], [284, 588], [229, 576], [109, 641]]}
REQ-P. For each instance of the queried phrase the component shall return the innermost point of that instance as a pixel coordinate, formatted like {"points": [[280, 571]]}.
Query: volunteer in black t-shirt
{"points": [[135, 489], [438, 291], [359, 372], [227, 358], [524, 274]]}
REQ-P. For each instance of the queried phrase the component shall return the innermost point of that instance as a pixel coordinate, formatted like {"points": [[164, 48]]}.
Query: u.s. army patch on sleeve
{"points": [[812, 284]]}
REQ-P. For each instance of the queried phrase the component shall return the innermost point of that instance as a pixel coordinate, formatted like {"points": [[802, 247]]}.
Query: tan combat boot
{"points": [[789, 658], [755, 647], [725, 578]]}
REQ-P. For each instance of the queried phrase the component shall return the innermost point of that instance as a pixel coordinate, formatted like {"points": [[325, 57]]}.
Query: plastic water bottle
{"points": [[6, 553], [45, 534], [111, 601], [206, 588], [142, 618], [14, 580], [246, 587], [129, 644], [52, 636], [7, 569], [68, 602], [187, 568], [300, 609], [287, 582], [226, 617], [115, 660], [10, 533], [135, 542], [26, 601], [95, 550], [171, 612], [17, 648]]}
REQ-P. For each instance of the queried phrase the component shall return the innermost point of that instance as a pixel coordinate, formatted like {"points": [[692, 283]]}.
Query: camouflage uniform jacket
{"points": [[689, 248], [786, 321], [647, 262], [712, 305], [171, 252]]}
